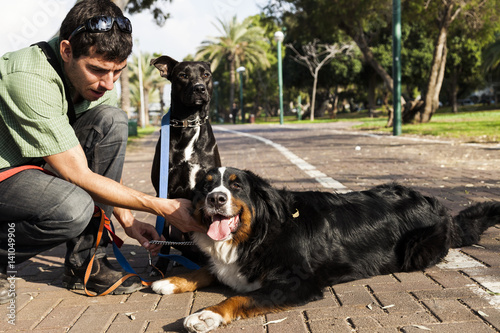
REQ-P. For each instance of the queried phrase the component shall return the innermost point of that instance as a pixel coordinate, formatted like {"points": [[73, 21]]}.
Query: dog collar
{"points": [[188, 123]]}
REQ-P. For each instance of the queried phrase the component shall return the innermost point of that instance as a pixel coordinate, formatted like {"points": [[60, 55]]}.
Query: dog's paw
{"points": [[204, 321], [163, 287]]}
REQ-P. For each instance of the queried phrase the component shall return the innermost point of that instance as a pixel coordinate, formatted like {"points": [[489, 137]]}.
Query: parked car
{"points": [[487, 101], [465, 102]]}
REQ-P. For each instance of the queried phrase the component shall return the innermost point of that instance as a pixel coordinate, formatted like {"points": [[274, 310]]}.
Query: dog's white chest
{"points": [[230, 275], [188, 154], [224, 263]]}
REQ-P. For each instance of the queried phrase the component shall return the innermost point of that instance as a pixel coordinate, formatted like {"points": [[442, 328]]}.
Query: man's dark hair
{"points": [[114, 45]]}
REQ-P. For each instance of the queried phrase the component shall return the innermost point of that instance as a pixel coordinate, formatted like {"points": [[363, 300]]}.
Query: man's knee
{"points": [[74, 213], [103, 122], [102, 132], [111, 118]]}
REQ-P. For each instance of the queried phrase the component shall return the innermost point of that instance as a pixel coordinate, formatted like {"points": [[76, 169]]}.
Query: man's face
{"points": [[92, 75]]}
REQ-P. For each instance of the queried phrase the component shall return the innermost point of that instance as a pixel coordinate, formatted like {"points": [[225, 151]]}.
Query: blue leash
{"points": [[164, 156], [163, 188]]}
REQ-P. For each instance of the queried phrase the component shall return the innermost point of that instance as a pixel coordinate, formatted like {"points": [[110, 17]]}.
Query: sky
{"points": [[23, 22]]}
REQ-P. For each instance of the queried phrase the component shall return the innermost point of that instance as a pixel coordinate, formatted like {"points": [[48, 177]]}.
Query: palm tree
{"points": [[491, 62], [151, 81], [241, 44], [491, 56]]}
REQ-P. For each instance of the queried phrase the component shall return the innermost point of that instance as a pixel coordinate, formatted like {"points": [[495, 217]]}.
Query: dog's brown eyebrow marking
{"points": [[210, 178], [233, 177]]}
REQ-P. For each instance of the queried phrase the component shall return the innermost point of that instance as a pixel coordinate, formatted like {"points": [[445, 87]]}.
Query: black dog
{"points": [[282, 248], [193, 149]]}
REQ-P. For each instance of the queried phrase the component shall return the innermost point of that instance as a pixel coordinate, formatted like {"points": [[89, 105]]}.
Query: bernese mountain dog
{"points": [[280, 248]]}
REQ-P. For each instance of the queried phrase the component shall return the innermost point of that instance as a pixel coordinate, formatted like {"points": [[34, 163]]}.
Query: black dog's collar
{"points": [[188, 123]]}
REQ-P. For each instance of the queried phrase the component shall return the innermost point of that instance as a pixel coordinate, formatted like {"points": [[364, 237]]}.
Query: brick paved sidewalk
{"points": [[459, 295]]}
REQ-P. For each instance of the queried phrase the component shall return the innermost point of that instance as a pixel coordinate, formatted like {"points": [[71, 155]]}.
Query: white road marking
{"points": [[457, 260], [309, 169]]}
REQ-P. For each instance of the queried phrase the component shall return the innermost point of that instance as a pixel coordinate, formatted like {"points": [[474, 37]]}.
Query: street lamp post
{"points": [[396, 68], [241, 70], [141, 87], [216, 88], [279, 36]]}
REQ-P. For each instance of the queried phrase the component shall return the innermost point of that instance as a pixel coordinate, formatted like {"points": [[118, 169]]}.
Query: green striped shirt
{"points": [[33, 108]]}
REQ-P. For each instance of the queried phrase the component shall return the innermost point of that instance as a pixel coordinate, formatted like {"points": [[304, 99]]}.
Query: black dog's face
{"points": [[222, 202], [191, 80]]}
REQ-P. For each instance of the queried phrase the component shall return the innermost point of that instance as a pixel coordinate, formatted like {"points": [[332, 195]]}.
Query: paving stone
{"points": [[61, 317], [449, 328], [450, 310], [289, 321]]}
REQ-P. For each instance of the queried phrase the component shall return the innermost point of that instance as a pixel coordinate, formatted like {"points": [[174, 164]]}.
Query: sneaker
{"points": [[5, 294], [102, 277]]}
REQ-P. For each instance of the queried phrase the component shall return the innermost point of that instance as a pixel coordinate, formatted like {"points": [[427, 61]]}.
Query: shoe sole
{"points": [[70, 284]]}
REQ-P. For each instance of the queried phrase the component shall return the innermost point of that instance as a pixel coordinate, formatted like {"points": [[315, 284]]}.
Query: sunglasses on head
{"points": [[103, 24]]}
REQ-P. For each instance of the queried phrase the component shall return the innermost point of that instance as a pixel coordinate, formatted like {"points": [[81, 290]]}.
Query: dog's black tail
{"points": [[473, 221]]}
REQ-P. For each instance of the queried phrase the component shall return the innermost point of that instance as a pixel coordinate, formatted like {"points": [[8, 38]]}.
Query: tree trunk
{"points": [[125, 91], [335, 107], [161, 90], [411, 109], [454, 92], [146, 107], [314, 93], [390, 118], [438, 65], [232, 82], [372, 84]]}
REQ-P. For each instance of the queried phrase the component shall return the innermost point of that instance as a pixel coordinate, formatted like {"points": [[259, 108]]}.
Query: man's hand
{"points": [[178, 212], [143, 233]]}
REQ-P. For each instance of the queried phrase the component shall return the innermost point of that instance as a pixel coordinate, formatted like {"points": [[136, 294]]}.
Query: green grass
{"points": [[468, 125], [142, 132], [478, 126]]}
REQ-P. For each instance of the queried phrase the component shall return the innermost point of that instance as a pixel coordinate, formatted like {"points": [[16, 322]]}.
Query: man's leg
{"points": [[37, 213], [102, 132]]}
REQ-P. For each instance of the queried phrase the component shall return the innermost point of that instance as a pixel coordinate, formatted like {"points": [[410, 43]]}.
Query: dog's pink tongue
{"points": [[219, 229]]}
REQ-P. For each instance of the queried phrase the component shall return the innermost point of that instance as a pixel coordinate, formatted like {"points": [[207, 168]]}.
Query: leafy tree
{"points": [[137, 6], [464, 70], [240, 44], [491, 56], [315, 57]]}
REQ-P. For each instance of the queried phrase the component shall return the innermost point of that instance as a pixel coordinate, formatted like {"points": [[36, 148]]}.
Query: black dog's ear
{"points": [[165, 65]]}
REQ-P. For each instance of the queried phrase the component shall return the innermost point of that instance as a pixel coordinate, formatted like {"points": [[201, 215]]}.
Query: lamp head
{"points": [[279, 36]]}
